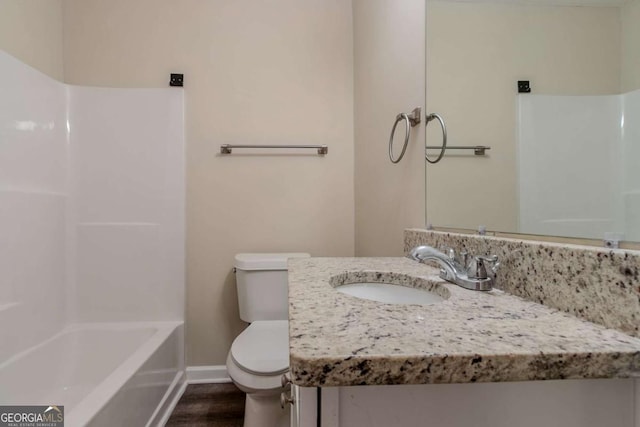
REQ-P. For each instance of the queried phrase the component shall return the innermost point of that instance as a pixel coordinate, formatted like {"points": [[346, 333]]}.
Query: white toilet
{"points": [[259, 356]]}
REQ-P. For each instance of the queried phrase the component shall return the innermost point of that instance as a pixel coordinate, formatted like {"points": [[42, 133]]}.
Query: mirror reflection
{"points": [[563, 157]]}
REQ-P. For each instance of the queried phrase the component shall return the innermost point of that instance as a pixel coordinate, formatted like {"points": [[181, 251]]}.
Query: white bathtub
{"points": [[105, 374]]}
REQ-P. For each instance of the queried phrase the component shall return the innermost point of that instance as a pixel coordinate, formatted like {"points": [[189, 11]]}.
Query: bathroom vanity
{"points": [[473, 359]]}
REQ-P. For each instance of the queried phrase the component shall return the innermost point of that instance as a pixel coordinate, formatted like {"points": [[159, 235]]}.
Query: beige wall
{"points": [[630, 14], [31, 31], [389, 79], [256, 72], [476, 53]]}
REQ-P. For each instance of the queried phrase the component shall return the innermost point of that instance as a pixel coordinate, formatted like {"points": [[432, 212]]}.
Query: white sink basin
{"points": [[389, 294]]}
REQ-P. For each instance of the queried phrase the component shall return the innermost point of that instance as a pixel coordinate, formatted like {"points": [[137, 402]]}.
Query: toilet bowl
{"points": [[259, 356]]}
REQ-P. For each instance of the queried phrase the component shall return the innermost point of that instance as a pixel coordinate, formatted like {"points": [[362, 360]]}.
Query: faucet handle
{"points": [[493, 262], [476, 268], [461, 258], [449, 251], [464, 258]]}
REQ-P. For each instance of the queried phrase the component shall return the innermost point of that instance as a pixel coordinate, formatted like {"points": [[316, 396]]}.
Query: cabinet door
{"points": [[550, 403]]}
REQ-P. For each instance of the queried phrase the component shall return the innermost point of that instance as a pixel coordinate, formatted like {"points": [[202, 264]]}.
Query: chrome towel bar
{"points": [[478, 150], [227, 148]]}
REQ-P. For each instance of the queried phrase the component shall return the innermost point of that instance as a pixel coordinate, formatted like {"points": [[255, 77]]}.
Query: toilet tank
{"points": [[261, 279]]}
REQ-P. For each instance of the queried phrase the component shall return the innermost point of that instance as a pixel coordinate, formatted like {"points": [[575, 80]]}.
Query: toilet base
{"points": [[263, 410]]}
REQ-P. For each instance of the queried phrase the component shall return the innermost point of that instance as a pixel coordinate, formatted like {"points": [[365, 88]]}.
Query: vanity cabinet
{"points": [[558, 403], [480, 359]]}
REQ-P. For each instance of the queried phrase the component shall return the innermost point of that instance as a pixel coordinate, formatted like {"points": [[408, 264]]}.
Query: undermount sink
{"points": [[390, 287], [389, 293]]}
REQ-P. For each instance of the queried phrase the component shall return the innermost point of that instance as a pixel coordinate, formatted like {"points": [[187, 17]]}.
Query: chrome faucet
{"points": [[470, 272]]}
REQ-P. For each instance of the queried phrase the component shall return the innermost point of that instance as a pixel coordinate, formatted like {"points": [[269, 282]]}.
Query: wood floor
{"points": [[209, 405]]}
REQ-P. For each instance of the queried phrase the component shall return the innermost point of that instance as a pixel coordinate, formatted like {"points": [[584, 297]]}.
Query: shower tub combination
{"points": [[92, 221], [105, 374]]}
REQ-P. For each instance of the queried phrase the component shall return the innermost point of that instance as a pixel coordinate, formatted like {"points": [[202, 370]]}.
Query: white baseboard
{"points": [[207, 374]]}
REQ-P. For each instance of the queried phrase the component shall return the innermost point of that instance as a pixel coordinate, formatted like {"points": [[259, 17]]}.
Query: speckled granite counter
{"points": [[339, 340], [597, 284]]}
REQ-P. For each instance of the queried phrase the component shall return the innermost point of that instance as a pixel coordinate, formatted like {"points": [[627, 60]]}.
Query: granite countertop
{"points": [[340, 340]]}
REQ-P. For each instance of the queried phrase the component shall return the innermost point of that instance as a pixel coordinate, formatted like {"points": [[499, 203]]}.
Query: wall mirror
{"points": [[564, 157]]}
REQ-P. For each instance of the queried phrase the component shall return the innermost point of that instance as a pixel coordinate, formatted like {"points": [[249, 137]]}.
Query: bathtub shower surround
{"points": [[92, 260], [596, 284], [127, 165], [33, 196]]}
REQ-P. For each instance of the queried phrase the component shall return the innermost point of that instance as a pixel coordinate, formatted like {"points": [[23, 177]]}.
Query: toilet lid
{"points": [[263, 348]]}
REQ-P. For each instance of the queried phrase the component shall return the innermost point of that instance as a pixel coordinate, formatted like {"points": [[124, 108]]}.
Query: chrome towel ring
{"points": [[410, 120], [444, 137]]}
